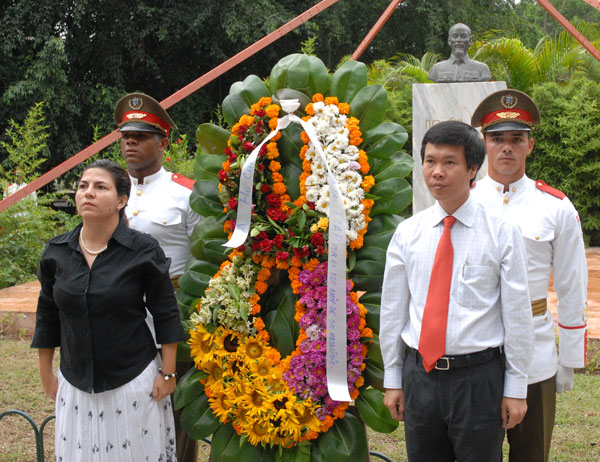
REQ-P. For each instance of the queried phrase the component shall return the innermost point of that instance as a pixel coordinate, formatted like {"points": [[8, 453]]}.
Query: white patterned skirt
{"points": [[121, 425]]}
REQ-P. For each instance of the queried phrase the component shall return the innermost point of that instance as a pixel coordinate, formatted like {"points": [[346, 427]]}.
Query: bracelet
{"points": [[167, 376]]}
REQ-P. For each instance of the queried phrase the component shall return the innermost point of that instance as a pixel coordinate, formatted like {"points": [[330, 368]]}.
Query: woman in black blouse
{"points": [[112, 390]]}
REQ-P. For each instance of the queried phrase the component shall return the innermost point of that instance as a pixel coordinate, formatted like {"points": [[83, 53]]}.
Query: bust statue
{"points": [[459, 68]]}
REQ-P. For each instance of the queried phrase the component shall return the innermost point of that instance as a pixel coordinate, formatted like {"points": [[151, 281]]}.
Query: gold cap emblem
{"points": [[136, 103], [509, 101]]}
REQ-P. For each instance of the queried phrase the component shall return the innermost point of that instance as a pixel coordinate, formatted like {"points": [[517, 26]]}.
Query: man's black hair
{"points": [[457, 133]]}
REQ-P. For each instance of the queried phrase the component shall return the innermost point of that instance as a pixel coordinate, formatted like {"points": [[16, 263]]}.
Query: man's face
{"points": [[506, 153], [459, 39], [143, 151], [446, 175]]}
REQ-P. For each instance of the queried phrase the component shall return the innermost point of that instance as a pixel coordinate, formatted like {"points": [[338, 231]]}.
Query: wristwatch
{"points": [[167, 376]]}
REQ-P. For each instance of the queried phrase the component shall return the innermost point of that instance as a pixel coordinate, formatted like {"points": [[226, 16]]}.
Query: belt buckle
{"points": [[440, 367]]}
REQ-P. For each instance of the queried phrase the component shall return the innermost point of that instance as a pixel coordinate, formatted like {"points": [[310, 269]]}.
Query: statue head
{"points": [[459, 39]]}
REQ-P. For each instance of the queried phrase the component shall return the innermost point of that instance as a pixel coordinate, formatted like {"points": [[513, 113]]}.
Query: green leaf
{"points": [[397, 166], [348, 80], [280, 321], [346, 441], [207, 167], [384, 140], [205, 199], [299, 453], [234, 106], [291, 173], [188, 388], [301, 219], [368, 274], [373, 374], [372, 302], [198, 420], [211, 138], [369, 106], [251, 90], [289, 146], [381, 230], [374, 352], [374, 413], [227, 446], [395, 194], [300, 72], [196, 277]]}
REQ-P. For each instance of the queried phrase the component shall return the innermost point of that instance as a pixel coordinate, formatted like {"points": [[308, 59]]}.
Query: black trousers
{"points": [[530, 440], [453, 415]]}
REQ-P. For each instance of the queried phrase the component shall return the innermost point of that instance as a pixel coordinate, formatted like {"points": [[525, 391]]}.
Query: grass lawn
{"points": [[576, 433]]}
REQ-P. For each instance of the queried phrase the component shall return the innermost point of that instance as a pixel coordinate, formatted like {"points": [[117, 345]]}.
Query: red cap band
{"points": [[145, 117], [507, 115]]}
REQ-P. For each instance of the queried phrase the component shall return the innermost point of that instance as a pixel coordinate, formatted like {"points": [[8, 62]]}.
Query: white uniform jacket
{"points": [[553, 240], [161, 207]]}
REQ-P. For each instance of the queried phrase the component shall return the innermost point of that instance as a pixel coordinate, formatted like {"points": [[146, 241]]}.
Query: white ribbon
{"points": [[337, 369]]}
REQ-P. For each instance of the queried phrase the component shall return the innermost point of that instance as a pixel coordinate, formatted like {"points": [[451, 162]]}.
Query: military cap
{"points": [[506, 110], [138, 112]]}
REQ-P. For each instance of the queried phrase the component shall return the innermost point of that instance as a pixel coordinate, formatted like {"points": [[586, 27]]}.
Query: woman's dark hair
{"points": [[457, 133], [119, 176]]}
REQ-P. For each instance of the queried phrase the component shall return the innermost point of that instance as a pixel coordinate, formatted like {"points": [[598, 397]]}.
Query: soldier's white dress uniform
{"points": [[161, 207], [553, 239]]}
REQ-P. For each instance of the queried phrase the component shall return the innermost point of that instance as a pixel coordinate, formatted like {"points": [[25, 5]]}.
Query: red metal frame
{"points": [[570, 28], [594, 3], [375, 29]]}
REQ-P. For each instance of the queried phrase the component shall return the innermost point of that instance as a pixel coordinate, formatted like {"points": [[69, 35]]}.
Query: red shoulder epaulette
{"points": [[473, 184], [549, 189], [183, 181]]}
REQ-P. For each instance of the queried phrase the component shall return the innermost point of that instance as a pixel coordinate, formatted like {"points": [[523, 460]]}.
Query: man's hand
{"points": [[394, 401], [513, 410], [162, 387], [565, 378]]}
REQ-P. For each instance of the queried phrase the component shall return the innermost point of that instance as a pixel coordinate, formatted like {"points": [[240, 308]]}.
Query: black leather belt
{"points": [[446, 363]]}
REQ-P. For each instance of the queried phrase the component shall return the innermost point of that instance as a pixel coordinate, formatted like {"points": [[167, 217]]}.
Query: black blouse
{"points": [[97, 316]]}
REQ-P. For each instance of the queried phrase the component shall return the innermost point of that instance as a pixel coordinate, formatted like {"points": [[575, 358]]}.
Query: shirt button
{"points": [[537, 238], [514, 189], [506, 200], [499, 189], [139, 192], [164, 222], [136, 213]]}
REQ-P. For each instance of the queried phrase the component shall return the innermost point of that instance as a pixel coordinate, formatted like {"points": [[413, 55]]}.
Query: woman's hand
{"points": [[50, 383], [49, 380], [162, 387]]}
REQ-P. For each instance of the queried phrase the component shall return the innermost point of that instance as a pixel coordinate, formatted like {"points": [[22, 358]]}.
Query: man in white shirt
{"points": [[553, 240], [456, 407], [159, 203]]}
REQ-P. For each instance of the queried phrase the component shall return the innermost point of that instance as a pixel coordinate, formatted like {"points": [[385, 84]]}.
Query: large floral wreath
{"points": [[258, 319]]}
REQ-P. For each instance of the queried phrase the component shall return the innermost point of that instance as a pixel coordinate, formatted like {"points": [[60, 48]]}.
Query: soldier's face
{"points": [[143, 151], [507, 152], [459, 39]]}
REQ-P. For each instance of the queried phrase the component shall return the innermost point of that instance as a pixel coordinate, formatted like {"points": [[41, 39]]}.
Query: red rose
{"points": [[273, 213], [282, 256], [242, 129], [255, 246], [319, 250], [232, 156], [274, 200], [260, 123], [232, 226], [248, 146], [228, 151], [266, 245], [258, 129], [265, 188], [263, 150], [232, 204], [278, 241], [260, 167], [222, 176], [262, 235], [317, 239], [260, 113], [302, 252]]}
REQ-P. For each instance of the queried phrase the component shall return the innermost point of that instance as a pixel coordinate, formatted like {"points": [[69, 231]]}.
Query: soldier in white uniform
{"points": [[553, 239], [159, 203]]}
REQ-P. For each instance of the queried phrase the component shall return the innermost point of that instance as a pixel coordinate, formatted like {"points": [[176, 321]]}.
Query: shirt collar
{"points": [[121, 234], [465, 213], [149, 179], [518, 185]]}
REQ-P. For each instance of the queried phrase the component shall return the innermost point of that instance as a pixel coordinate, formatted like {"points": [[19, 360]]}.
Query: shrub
{"points": [[567, 149]]}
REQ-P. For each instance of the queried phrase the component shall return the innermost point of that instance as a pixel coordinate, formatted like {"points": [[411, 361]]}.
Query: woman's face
{"points": [[96, 195]]}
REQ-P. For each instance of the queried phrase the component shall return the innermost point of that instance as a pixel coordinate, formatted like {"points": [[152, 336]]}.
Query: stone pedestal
{"points": [[433, 103]]}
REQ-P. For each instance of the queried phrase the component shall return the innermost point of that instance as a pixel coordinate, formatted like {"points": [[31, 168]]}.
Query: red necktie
{"points": [[432, 344]]}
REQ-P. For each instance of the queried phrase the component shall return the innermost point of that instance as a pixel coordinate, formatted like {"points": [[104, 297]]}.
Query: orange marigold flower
{"points": [[311, 264], [272, 110], [253, 299], [303, 150], [272, 151], [273, 123], [317, 97], [264, 101], [279, 188], [304, 137], [255, 309], [331, 100], [277, 177], [296, 286], [259, 324], [254, 108], [296, 262], [261, 287], [263, 274], [309, 109], [354, 394], [227, 226], [263, 335], [357, 243], [277, 136], [282, 265], [307, 165], [235, 128], [367, 332], [256, 258], [368, 203], [368, 182], [268, 262], [247, 120], [344, 108], [274, 166], [360, 381], [226, 166], [300, 201]]}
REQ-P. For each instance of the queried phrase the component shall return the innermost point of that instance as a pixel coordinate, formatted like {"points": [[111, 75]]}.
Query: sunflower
{"points": [[201, 345], [226, 341], [251, 347], [221, 406], [262, 367]]}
